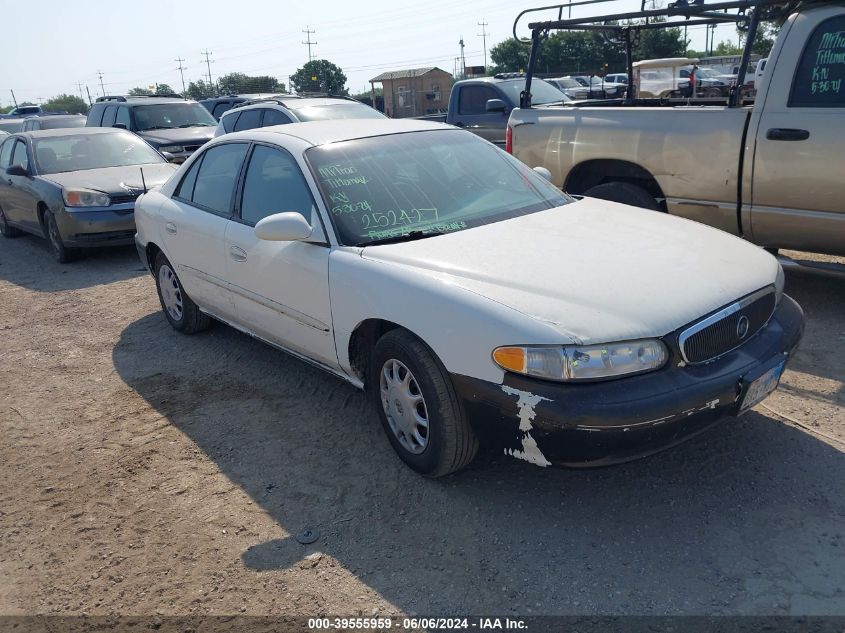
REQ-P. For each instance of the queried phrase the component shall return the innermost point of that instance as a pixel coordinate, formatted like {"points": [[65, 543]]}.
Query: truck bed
{"points": [[693, 152]]}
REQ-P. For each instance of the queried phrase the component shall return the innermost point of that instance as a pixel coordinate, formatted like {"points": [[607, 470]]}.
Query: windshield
{"points": [[349, 110], [11, 125], [567, 83], [541, 91], [58, 154], [706, 72], [172, 115], [427, 182]]}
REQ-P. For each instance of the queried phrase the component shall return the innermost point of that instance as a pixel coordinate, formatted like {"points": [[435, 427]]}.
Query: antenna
{"points": [[143, 181]]}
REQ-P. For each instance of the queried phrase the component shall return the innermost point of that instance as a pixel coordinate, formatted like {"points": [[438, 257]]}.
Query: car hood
{"points": [[179, 136], [115, 180], [594, 270]]}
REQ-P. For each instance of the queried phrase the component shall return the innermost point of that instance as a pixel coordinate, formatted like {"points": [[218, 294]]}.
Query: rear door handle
{"points": [[787, 134], [170, 228], [237, 253]]}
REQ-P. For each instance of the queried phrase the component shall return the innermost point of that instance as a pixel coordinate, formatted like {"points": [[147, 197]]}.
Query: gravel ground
{"points": [[146, 472]]}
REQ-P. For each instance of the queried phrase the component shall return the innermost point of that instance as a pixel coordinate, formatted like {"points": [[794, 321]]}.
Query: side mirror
{"points": [[545, 173], [283, 227], [495, 105], [120, 126], [168, 156], [17, 170]]}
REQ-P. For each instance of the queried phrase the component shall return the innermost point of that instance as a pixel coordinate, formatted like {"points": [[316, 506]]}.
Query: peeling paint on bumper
{"points": [[601, 423]]}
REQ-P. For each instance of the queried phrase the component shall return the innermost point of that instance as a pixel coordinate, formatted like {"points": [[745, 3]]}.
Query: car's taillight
{"points": [[509, 140]]}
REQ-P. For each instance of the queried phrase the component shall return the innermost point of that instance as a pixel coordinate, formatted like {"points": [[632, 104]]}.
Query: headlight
{"points": [[173, 149], [85, 198], [583, 362]]}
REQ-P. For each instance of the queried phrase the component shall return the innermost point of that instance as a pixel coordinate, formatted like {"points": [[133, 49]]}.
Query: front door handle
{"points": [[170, 228], [237, 253], [787, 134]]}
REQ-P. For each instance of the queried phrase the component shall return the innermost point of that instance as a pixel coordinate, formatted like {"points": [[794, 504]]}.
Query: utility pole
{"points": [[79, 87], [15, 101], [483, 35], [181, 73], [463, 59], [308, 41], [207, 54], [90, 100], [102, 87]]}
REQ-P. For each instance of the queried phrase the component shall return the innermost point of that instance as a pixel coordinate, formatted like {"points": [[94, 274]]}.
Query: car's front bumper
{"points": [[601, 423], [101, 226]]}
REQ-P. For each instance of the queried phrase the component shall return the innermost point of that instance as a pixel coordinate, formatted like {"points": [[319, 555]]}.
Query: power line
{"points": [[207, 54], [483, 36], [181, 72], [308, 41]]}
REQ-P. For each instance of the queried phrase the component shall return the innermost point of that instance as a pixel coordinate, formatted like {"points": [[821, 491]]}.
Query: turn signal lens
{"points": [[583, 362], [510, 358]]}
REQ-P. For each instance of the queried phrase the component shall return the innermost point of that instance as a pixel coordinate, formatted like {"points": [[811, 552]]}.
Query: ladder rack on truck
{"points": [[626, 27]]}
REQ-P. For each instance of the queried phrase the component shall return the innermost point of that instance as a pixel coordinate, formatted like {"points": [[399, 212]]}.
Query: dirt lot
{"points": [[142, 471]]}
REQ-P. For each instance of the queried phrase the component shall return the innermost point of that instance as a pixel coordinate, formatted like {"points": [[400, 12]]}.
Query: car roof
{"points": [[295, 103], [334, 131], [54, 117], [71, 131]]}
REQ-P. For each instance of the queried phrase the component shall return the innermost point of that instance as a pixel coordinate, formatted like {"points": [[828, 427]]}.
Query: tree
{"points": [[239, 83], [66, 103], [139, 92], [767, 31], [727, 48], [200, 90], [660, 43], [319, 75], [164, 89]]}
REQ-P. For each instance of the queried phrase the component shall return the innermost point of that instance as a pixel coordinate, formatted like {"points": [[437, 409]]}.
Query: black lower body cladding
{"points": [[602, 423]]}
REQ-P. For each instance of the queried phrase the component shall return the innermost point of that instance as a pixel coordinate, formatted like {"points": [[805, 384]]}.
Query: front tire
{"points": [[62, 253], [6, 229], [624, 193], [418, 406], [183, 314]]}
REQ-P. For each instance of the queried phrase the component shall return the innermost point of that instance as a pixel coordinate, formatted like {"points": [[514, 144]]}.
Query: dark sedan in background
{"points": [[76, 187], [53, 122]]}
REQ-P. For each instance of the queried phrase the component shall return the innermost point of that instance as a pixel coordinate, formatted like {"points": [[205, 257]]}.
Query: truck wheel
{"points": [[624, 192], [6, 229], [418, 407], [182, 313]]}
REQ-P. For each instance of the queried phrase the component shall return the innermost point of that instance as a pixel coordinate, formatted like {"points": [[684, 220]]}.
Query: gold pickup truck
{"points": [[773, 172]]}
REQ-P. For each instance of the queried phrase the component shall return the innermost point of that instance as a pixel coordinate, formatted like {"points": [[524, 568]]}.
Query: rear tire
{"points": [[625, 193], [63, 254], [6, 229], [418, 407], [183, 314]]}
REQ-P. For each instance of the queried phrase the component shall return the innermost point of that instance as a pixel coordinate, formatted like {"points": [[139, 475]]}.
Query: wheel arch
{"points": [[591, 173], [151, 251], [362, 341]]}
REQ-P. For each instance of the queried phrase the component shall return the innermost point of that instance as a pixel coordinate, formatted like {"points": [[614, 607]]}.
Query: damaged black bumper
{"points": [[601, 423]]}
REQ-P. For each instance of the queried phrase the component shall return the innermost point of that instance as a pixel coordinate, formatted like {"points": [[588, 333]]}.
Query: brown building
{"points": [[414, 92]]}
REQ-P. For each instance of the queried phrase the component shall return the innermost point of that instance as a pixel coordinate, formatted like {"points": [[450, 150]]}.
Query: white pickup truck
{"points": [[772, 173]]}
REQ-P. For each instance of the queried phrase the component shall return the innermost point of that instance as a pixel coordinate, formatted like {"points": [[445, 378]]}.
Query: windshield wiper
{"points": [[157, 127], [404, 237], [196, 125]]}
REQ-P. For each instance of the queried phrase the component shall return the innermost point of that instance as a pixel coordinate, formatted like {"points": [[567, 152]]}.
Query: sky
{"points": [[48, 48]]}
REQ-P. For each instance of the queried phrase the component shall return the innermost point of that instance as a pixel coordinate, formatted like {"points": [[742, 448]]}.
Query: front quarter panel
{"points": [[461, 327]]}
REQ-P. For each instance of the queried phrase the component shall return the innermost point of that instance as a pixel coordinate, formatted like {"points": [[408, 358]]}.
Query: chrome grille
{"points": [[728, 328]]}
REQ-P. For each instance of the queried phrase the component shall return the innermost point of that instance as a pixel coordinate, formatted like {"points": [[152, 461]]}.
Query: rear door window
{"points": [[249, 120], [108, 116], [274, 117], [217, 176]]}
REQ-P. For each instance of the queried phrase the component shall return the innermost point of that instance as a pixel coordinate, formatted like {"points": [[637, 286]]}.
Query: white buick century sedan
{"points": [[472, 299]]}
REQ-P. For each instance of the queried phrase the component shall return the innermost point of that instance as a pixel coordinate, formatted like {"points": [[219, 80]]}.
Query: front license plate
{"points": [[762, 387]]}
